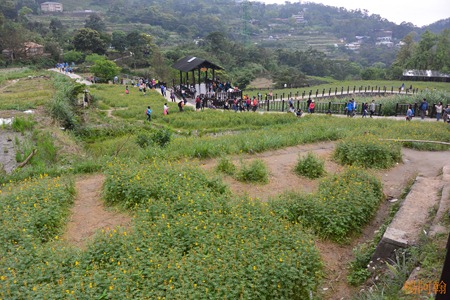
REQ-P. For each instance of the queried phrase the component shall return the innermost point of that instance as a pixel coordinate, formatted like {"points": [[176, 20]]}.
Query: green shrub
{"points": [[368, 152], [46, 149], [144, 140], [256, 171], [358, 270], [342, 205], [162, 137], [310, 166], [194, 240], [20, 124], [226, 166]]}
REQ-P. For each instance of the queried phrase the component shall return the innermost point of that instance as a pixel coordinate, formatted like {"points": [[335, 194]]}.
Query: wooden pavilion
{"points": [[191, 64]]}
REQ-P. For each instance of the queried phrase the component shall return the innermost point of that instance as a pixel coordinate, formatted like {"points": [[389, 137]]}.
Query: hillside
{"points": [[291, 25]]}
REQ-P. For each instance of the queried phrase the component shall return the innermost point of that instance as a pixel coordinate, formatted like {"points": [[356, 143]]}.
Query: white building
{"points": [[51, 7]]}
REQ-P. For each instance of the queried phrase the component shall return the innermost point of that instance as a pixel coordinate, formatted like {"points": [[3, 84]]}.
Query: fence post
{"points": [[365, 90], [354, 89], [303, 95], [282, 105], [335, 91], [268, 104], [396, 109], [329, 106], [392, 89], [283, 95], [348, 88], [298, 104], [323, 92], [276, 96], [342, 90], [317, 92], [329, 92], [379, 110]]}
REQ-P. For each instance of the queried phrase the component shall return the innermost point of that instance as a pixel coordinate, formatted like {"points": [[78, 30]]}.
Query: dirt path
{"points": [[89, 214], [8, 84], [280, 164], [109, 112], [336, 257]]}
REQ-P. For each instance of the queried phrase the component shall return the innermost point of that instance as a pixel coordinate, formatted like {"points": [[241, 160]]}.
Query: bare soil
{"points": [[282, 178], [7, 151], [89, 214], [261, 83]]}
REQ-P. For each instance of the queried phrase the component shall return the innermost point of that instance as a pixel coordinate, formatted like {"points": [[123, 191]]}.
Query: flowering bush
{"points": [[342, 205], [310, 166], [255, 171], [368, 152]]}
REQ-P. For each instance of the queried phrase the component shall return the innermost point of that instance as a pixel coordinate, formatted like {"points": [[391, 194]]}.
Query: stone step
{"points": [[444, 205], [408, 222]]}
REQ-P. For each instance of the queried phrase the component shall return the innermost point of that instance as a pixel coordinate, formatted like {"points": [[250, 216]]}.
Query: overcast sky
{"points": [[417, 12]]}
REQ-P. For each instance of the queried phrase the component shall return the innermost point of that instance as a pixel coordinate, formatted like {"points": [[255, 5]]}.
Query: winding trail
{"points": [[88, 214], [77, 77]]}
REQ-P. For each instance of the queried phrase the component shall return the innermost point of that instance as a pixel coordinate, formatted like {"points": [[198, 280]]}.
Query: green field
{"points": [[190, 236]]}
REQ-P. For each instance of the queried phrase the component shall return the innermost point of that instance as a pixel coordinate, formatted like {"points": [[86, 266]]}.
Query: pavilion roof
{"points": [[190, 63]]}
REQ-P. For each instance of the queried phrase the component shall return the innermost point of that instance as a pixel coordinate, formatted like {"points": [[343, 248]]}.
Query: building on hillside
{"points": [[51, 7], [29, 49], [299, 18], [353, 46], [81, 13], [384, 38]]}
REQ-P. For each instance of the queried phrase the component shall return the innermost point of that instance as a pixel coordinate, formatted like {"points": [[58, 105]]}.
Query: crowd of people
{"points": [[64, 67]]}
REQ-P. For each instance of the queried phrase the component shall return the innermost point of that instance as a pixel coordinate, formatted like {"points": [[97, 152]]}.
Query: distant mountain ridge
{"points": [[243, 19]]}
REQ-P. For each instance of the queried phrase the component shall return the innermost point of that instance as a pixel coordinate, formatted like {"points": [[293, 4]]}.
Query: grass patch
{"points": [[368, 152], [255, 171], [342, 205], [22, 124], [225, 165], [310, 166]]}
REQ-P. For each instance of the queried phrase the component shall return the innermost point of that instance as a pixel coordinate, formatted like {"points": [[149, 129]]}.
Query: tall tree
{"points": [[425, 51], [442, 59], [105, 69], [88, 40], [405, 54], [119, 40], [95, 22], [12, 37]]}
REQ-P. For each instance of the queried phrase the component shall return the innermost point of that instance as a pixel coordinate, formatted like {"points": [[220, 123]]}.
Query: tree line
{"points": [[137, 51]]}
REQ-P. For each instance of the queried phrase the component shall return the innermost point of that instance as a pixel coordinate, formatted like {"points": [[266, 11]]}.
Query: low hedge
{"points": [[368, 151], [342, 205]]}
